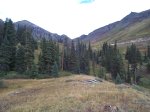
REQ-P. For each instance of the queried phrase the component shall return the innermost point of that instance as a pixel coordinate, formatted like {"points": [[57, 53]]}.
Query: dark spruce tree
{"points": [[111, 59], [1, 31], [4, 56], [148, 51], [20, 65], [73, 59], [49, 55], [29, 53], [55, 70], [34, 71], [10, 34], [42, 57], [133, 56], [118, 79]]}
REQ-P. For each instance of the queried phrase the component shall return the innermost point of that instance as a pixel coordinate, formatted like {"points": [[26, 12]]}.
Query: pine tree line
{"points": [[17, 48], [76, 58], [110, 58], [15, 56]]}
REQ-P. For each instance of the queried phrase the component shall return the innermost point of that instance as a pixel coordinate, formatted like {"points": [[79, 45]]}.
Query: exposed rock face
{"points": [[39, 33], [109, 108], [130, 19]]}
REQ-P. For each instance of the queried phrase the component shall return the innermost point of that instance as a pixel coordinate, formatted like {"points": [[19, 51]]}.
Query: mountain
{"points": [[133, 26], [39, 33]]}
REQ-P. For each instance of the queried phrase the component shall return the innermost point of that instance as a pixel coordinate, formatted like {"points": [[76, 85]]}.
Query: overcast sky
{"points": [[70, 17]]}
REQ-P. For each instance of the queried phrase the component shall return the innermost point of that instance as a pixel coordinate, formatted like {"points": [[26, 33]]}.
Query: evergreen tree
{"points": [[148, 66], [148, 51], [4, 56], [128, 78], [118, 79], [93, 64], [112, 60], [87, 63], [90, 50], [117, 66], [55, 70], [78, 56], [133, 56], [102, 72], [49, 55], [66, 59], [10, 34], [42, 63], [73, 59], [20, 60], [34, 71], [1, 31], [57, 56], [29, 53]]}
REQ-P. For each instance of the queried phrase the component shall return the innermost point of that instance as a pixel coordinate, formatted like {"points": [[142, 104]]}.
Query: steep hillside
{"points": [[39, 33], [133, 26], [77, 93]]}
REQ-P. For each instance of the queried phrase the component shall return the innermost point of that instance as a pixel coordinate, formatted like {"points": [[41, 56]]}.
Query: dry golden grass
{"points": [[70, 94]]}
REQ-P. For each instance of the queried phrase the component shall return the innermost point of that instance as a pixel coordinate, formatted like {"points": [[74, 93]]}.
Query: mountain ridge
{"points": [[118, 29], [39, 32]]}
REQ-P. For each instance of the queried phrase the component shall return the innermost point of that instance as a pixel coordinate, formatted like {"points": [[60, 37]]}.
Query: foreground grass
{"points": [[70, 94]]}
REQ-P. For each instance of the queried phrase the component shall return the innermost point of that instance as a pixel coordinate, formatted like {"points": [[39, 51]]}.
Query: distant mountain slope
{"points": [[133, 26], [39, 33]]}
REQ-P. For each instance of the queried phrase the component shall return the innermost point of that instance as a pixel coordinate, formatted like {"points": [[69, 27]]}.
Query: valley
{"points": [[107, 70]]}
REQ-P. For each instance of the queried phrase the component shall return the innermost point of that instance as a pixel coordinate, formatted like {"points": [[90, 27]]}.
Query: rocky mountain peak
{"points": [[38, 32]]}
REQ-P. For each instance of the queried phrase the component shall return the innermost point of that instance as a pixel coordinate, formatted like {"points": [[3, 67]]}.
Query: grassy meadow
{"points": [[71, 94]]}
